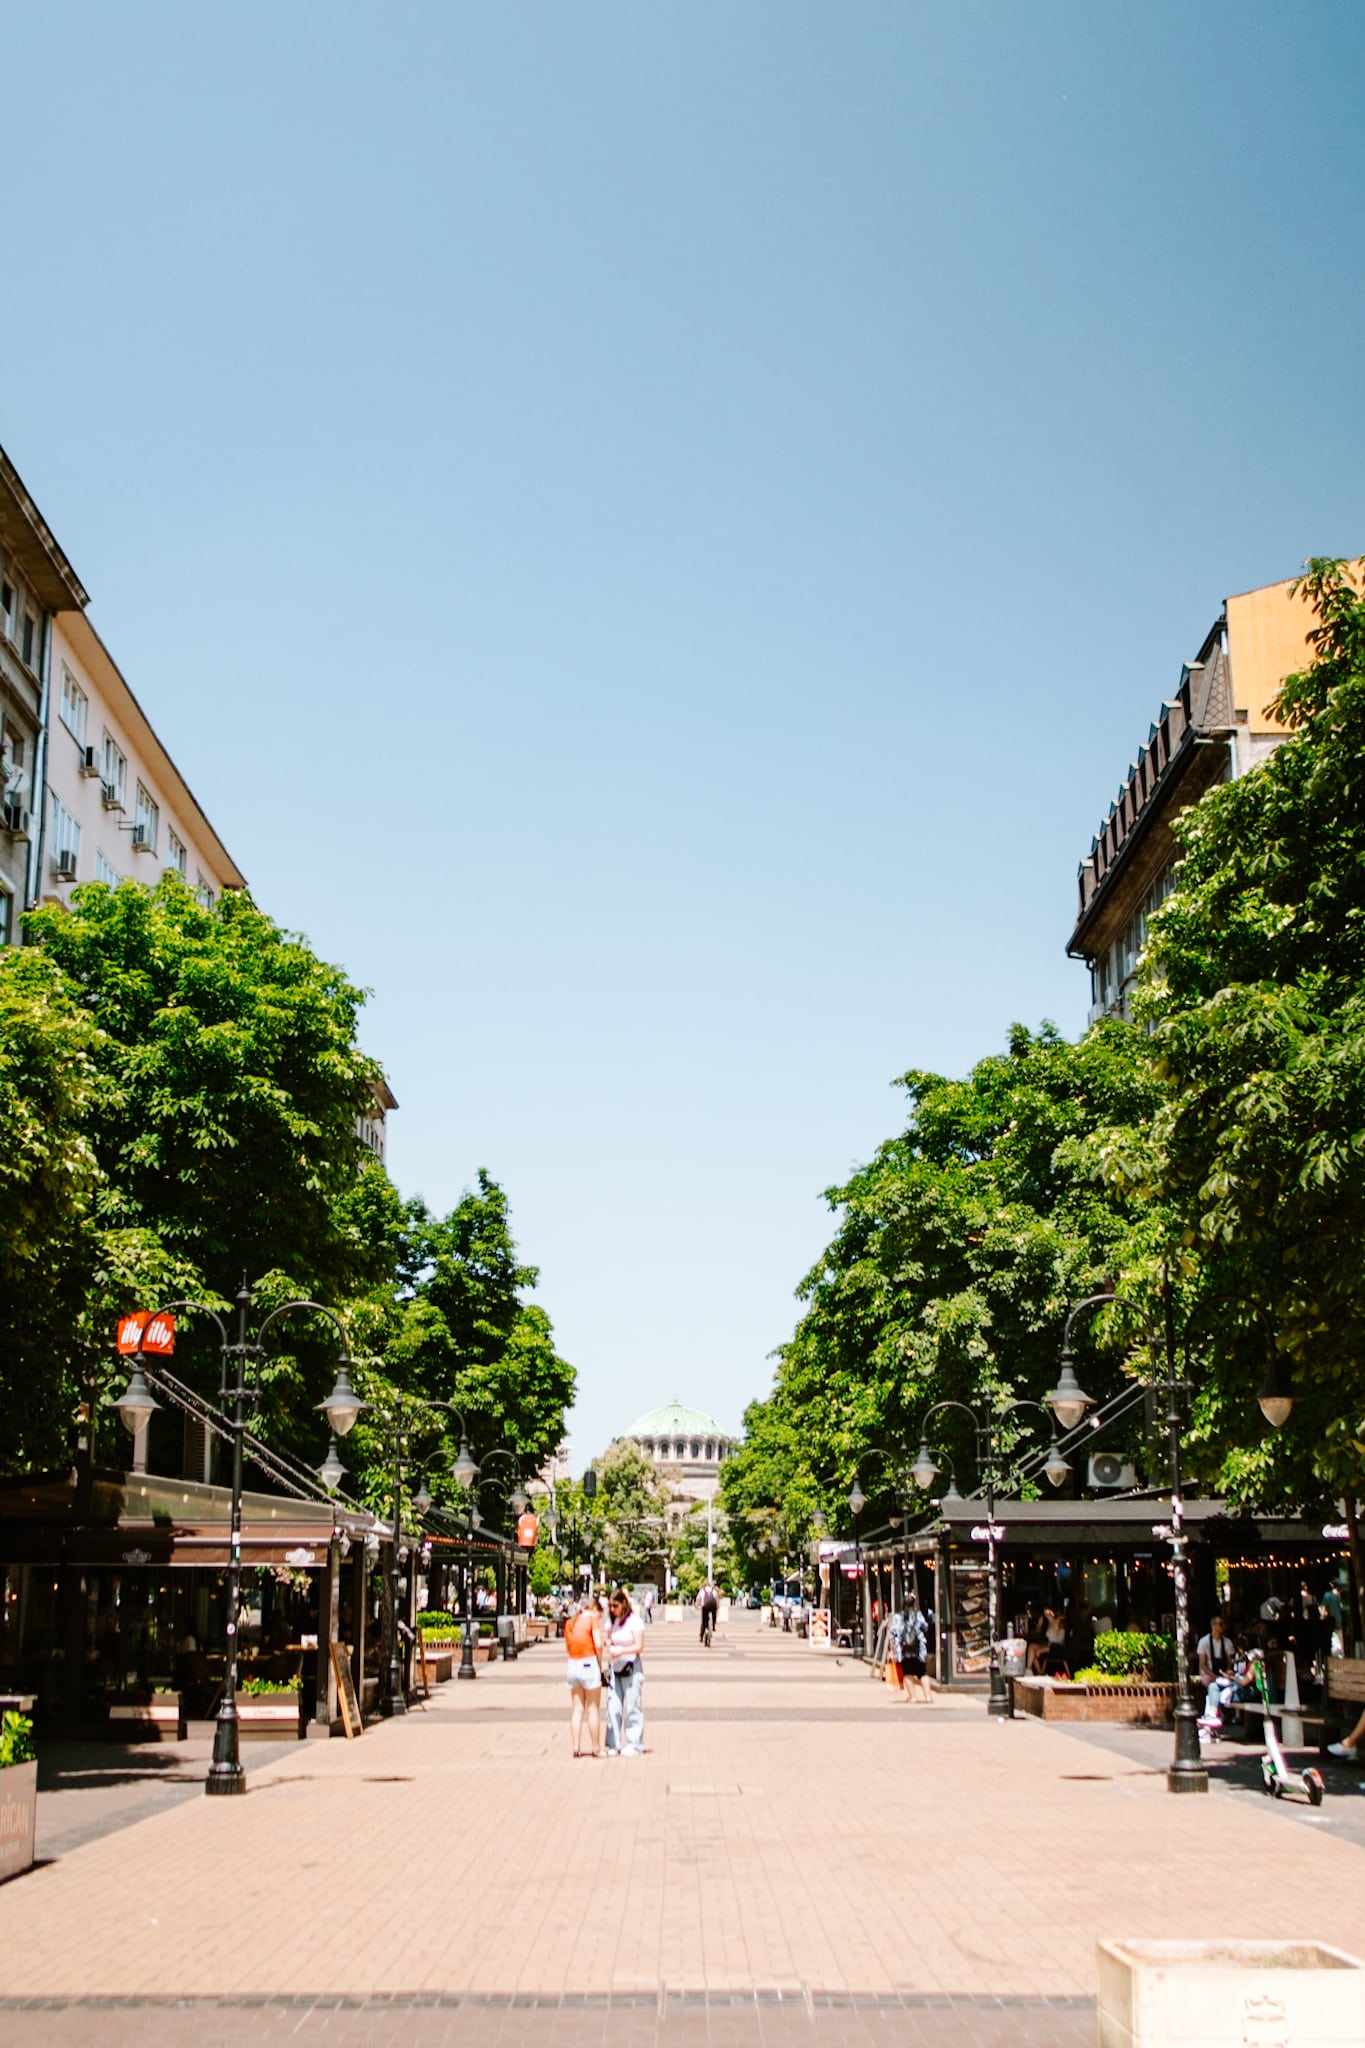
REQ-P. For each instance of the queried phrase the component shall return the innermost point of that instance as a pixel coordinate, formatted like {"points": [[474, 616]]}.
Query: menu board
{"points": [[346, 1699]]}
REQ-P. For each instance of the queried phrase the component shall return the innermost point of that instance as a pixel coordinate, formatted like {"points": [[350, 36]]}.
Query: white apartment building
{"points": [[87, 791], [117, 804]]}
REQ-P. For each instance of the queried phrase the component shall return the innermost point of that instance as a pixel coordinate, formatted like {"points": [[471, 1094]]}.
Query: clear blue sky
{"points": [[656, 532]]}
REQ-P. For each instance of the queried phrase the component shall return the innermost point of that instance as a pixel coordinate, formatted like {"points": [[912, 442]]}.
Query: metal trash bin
{"points": [[507, 1636]]}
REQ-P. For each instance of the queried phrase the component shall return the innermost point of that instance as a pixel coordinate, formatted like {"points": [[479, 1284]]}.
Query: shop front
{"points": [[1099, 1564], [120, 1597]]}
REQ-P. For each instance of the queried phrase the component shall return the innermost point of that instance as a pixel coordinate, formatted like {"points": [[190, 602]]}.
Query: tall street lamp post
{"points": [[516, 1500], [1187, 1772], [924, 1471], [241, 1362], [343, 1403]]}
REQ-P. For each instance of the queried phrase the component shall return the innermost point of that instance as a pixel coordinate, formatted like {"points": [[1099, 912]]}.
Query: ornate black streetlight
{"points": [[239, 1359], [341, 1408], [1187, 1772], [516, 1500], [924, 1471]]}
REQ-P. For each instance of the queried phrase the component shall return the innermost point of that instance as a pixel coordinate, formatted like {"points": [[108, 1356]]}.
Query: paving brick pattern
{"points": [[801, 1856]]}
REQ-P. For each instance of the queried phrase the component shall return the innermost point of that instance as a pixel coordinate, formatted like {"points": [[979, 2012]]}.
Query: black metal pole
{"points": [[395, 1698], [998, 1705], [225, 1774], [466, 1669], [1187, 1772]]}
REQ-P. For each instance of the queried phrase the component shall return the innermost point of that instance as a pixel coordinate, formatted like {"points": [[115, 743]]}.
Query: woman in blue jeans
{"points": [[625, 1700]]}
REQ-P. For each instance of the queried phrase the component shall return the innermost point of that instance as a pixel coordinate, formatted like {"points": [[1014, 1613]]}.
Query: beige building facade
{"points": [[688, 1449], [37, 584], [1216, 725]]}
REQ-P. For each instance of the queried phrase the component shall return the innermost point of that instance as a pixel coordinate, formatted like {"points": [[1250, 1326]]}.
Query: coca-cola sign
{"points": [[146, 1332]]}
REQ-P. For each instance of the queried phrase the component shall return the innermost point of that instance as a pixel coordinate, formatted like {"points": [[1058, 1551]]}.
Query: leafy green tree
{"points": [[630, 1514], [688, 1548], [454, 1325], [48, 1183], [1254, 990], [219, 1127], [957, 1251], [230, 1082]]}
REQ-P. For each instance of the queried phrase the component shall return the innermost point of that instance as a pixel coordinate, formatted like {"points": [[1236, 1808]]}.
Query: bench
{"points": [[1346, 1688]]}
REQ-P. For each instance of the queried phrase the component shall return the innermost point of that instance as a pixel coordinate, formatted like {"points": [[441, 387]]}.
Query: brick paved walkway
{"points": [[796, 1839]]}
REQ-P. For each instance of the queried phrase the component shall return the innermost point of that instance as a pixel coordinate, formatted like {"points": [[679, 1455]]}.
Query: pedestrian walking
{"points": [[709, 1602], [625, 1697], [914, 1650], [585, 1641]]}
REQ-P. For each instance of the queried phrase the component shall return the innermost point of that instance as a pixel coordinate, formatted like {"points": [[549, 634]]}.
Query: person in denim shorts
{"points": [[583, 1639]]}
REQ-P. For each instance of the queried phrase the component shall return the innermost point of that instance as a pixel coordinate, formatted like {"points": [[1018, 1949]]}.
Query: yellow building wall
{"points": [[1267, 641]]}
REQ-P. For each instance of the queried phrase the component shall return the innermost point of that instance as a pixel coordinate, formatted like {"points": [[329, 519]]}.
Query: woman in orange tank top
{"points": [[583, 1636]]}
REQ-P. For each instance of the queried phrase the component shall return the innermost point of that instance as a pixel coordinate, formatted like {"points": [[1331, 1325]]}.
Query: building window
{"points": [[103, 871], [146, 819], [30, 629], [74, 706], [6, 917], [7, 607], [114, 772], [203, 889], [66, 841], [176, 856]]}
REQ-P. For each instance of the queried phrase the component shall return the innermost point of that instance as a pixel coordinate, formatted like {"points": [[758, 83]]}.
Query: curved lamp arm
{"points": [[287, 1308]]}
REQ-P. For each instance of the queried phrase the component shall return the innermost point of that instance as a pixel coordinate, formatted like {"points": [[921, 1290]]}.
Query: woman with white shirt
{"points": [[625, 1700]]}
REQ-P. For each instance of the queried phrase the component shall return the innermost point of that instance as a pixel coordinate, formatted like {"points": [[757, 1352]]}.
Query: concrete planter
{"points": [[160, 1719], [1139, 1703], [1226, 1994], [18, 1818], [268, 1717]]}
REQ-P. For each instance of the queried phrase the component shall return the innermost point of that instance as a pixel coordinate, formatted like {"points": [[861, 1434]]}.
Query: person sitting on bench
{"points": [[1216, 1656]]}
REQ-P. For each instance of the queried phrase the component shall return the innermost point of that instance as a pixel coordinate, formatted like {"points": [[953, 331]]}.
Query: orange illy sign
{"points": [[528, 1528], [144, 1332]]}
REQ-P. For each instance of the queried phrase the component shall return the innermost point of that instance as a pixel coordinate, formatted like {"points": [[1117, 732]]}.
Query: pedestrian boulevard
{"points": [[800, 1856]]}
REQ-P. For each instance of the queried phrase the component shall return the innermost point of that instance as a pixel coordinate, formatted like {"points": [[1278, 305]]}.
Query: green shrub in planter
{"points": [[1133, 1653], [269, 1688], [16, 1740], [435, 1621]]}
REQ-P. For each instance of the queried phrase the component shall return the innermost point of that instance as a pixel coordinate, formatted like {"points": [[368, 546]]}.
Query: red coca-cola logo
{"points": [[144, 1332]]}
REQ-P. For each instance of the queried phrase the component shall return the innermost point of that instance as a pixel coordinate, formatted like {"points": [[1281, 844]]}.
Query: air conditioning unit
{"points": [[1111, 1473], [89, 765], [64, 864], [112, 801], [142, 839], [16, 820]]}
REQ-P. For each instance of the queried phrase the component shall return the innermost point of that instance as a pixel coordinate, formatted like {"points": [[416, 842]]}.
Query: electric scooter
{"points": [[1277, 1774]]}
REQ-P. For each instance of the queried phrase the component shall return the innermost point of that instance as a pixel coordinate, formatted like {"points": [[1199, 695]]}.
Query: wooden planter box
{"points": [[1139, 1702], [161, 1720], [1224, 1994], [440, 1665], [538, 1629], [18, 1818], [268, 1717]]}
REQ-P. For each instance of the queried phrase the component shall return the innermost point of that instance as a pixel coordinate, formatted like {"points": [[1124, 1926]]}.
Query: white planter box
{"points": [[267, 1717], [1228, 1994], [18, 1817]]}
